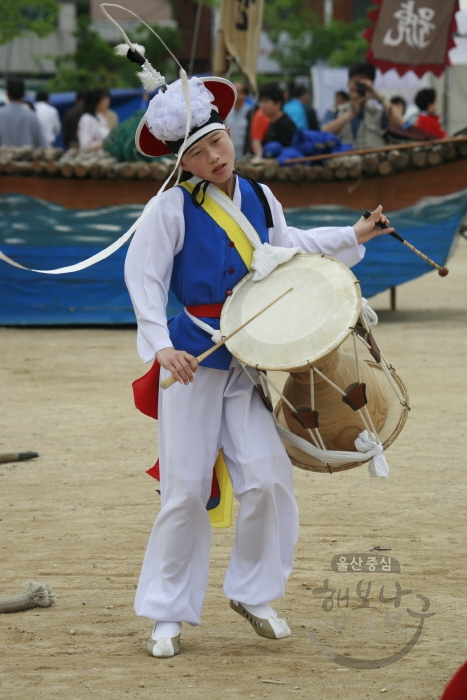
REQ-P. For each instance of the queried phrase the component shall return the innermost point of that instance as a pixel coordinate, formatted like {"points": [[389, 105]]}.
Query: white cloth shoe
{"points": [[273, 627], [163, 648], [164, 641]]}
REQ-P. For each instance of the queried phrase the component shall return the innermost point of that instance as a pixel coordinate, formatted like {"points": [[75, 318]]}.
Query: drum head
{"points": [[307, 324]]}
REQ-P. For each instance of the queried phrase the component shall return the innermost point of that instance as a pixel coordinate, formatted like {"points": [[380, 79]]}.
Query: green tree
{"points": [[22, 17], [300, 38], [94, 63]]}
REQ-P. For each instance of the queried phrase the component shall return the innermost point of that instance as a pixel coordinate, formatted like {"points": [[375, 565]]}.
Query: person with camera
{"points": [[363, 120]]}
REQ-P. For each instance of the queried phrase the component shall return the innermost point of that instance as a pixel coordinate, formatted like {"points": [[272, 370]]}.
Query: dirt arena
{"points": [[78, 518]]}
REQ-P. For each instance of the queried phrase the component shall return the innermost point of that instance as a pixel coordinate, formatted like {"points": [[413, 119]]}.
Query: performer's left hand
{"points": [[366, 229]]}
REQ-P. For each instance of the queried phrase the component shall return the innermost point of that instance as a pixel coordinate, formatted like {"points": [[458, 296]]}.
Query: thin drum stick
{"points": [[442, 271], [171, 380]]}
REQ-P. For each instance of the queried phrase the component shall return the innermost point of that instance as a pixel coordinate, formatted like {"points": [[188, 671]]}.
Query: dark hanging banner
{"points": [[413, 35]]}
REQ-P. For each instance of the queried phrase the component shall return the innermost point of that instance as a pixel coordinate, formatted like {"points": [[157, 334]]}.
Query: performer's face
{"points": [[211, 158]]}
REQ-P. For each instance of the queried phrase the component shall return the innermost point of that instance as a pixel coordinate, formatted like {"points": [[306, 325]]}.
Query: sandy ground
{"points": [[78, 518]]}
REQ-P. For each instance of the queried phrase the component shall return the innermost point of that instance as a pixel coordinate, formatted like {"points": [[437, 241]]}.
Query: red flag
{"points": [[146, 391], [412, 35]]}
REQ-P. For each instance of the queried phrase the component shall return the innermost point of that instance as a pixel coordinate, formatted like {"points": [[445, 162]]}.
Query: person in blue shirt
{"points": [[300, 111]]}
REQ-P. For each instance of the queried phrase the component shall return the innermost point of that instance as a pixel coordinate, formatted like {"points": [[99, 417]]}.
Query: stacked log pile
{"points": [[53, 162]]}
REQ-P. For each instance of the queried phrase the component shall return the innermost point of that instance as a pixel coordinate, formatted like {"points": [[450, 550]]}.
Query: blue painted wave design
{"points": [[39, 234]]}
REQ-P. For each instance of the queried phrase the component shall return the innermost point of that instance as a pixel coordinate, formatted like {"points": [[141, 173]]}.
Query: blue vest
{"points": [[206, 270]]}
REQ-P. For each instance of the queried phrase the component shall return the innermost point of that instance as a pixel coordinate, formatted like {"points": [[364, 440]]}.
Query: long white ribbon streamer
{"points": [[126, 236], [89, 261]]}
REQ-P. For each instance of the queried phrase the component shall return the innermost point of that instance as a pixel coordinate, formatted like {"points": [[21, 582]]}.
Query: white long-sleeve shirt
{"points": [[49, 120], [160, 236], [92, 130]]}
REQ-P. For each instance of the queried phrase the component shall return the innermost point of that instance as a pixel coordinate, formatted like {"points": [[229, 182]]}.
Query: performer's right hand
{"points": [[180, 363]]}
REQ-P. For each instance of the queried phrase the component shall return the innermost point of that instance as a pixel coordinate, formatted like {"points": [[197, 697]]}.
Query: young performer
{"points": [[181, 246]]}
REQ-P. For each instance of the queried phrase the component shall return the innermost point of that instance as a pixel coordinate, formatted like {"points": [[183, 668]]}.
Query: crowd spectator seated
{"points": [[400, 106], [258, 127], [341, 98], [239, 119], [71, 119], [299, 109], [92, 125], [363, 120], [48, 117], [428, 120], [281, 128], [19, 125]]}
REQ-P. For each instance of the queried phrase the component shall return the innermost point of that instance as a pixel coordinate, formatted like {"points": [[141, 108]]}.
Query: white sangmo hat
{"points": [[163, 127]]}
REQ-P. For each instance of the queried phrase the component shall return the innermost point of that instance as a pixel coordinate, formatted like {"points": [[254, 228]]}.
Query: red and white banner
{"points": [[412, 35]]}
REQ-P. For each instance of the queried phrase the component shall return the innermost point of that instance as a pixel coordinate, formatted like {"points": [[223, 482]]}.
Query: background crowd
{"points": [[360, 117], [36, 123]]}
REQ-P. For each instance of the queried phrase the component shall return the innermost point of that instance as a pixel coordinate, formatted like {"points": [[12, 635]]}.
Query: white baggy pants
{"points": [[220, 409]]}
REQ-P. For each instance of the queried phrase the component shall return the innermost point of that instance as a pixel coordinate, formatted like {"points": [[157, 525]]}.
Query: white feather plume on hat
{"points": [[122, 49], [166, 114]]}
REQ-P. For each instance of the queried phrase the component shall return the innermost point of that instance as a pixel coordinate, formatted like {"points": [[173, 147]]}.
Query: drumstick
{"points": [[442, 271], [171, 380]]}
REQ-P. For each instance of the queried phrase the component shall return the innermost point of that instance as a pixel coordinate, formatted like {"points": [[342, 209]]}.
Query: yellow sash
{"points": [[221, 515], [232, 229]]}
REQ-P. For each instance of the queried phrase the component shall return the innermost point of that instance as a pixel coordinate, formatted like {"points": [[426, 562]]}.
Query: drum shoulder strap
{"points": [[262, 198]]}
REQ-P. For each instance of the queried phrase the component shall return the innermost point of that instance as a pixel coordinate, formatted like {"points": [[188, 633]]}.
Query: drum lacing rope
{"points": [[365, 443], [359, 378], [312, 405], [294, 410], [342, 393], [369, 319], [386, 367]]}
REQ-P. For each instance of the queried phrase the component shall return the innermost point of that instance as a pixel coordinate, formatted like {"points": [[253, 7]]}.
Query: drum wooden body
{"points": [[339, 425], [307, 328]]}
